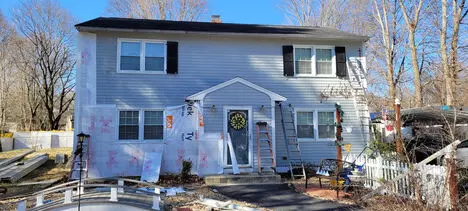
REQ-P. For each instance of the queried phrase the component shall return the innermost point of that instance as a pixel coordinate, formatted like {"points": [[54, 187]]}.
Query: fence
{"points": [[42, 139], [427, 180]]}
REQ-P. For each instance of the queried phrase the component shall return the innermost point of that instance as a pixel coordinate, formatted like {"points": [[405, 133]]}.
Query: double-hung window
{"points": [[305, 125], [314, 61], [315, 125], [326, 124], [141, 125], [128, 125], [141, 56]]}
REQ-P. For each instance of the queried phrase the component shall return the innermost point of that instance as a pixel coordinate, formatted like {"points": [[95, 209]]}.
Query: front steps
{"points": [[242, 179]]}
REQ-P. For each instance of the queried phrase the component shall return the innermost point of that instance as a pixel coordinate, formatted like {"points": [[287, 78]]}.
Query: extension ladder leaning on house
{"points": [[293, 152]]}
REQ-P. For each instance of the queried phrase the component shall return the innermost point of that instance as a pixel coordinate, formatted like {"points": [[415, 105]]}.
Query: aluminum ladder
{"points": [[292, 145]]}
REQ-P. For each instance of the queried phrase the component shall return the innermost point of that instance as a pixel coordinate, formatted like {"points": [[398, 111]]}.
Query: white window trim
{"points": [[141, 125], [142, 55], [315, 122], [314, 60]]}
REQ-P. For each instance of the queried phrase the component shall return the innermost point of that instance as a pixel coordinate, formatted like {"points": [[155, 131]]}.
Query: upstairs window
{"points": [[130, 56], [141, 56], [314, 61], [324, 61], [303, 61]]}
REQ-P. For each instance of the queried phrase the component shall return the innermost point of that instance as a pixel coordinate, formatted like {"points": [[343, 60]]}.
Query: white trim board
{"points": [[201, 95]]}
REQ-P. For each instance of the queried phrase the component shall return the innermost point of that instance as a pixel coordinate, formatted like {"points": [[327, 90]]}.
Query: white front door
{"points": [[238, 124]]}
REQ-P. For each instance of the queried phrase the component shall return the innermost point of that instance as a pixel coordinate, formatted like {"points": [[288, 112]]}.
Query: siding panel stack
{"points": [[16, 171]]}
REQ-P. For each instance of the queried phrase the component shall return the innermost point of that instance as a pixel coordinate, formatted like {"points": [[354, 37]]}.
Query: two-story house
{"points": [[131, 70]]}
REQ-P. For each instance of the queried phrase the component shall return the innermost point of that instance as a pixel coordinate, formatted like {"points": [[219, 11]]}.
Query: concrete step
{"points": [[242, 179]]}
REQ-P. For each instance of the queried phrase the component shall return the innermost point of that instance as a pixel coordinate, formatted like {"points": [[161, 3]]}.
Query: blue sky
{"points": [[231, 11]]}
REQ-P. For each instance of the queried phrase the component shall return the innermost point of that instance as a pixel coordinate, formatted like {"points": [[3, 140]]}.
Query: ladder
{"points": [[293, 151], [76, 163], [264, 148]]}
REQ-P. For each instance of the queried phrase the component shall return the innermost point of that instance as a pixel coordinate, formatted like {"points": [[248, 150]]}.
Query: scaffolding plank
{"points": [[8, 161], [18, 170]]}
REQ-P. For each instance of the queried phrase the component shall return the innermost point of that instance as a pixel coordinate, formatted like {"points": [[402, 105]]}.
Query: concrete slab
{"points": [[280, 197], [242, 179]]}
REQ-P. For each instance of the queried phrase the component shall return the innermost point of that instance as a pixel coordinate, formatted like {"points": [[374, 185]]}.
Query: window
{"points": [[305, 124], [314, 61], [130, 56], [303, 60], [153, 125], [128, 125], [140, 123], [141, 55], [326, 125], [315, 125], [324, 62], [154, 57]]}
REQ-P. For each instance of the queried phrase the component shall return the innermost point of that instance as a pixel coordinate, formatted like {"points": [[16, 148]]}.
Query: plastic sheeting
{"points": [[210, 154], [151, 167]]}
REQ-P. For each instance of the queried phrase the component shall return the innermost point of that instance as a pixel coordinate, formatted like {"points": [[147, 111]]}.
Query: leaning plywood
{"points": [[16, 171], [6, 162]]}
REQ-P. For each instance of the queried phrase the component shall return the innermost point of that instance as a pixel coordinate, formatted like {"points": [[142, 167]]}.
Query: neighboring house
{"points": [[143, 66]]}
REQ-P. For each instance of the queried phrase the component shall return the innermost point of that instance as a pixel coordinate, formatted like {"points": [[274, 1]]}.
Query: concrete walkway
{"points": [[280, 197]]}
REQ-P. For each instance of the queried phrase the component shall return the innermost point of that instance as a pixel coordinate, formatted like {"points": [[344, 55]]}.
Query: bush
{"points": [[186, 169]]}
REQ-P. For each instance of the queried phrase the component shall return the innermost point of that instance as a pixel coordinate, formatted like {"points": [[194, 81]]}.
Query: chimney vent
{"points": [[216, 19]]}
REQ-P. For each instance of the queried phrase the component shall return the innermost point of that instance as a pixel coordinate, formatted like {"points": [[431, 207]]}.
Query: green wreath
{"points": [[238, 121]]}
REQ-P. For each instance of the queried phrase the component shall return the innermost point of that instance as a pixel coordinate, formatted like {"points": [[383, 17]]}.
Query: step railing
{"points": [[114, 192]]}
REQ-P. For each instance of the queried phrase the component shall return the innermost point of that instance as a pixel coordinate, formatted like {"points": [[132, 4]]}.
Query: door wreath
{"points": [[238, 121]]}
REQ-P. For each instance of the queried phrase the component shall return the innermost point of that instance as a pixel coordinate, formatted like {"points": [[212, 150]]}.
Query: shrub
{"points": [[186, 169]]}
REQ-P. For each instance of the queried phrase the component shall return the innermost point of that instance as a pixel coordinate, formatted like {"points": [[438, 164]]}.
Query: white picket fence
{"points": [[430, 179]]}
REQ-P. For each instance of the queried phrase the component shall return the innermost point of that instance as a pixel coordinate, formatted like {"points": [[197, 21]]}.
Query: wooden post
{"points": [[399, 139], [339, 153], [452, 181]]}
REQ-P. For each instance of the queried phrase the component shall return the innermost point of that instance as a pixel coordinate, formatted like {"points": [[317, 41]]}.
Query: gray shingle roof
{"points": [[207, 27]]}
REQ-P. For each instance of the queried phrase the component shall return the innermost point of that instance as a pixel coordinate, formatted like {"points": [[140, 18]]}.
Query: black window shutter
{"points": [[172, 57], [340, 53], [288, 60]]}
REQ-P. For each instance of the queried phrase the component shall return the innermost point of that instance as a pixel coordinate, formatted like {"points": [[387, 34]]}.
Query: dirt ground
{"points": [[49, 171]]}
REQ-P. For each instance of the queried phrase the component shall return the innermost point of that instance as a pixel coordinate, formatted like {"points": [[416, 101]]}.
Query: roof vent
{"points": [[216, 19]]}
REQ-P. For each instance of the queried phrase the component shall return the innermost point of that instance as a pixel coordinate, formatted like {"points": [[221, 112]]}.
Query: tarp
{"points": [[184, 125]]}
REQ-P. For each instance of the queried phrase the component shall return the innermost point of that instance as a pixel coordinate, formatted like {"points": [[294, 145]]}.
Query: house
{"points": [[131, 70]]}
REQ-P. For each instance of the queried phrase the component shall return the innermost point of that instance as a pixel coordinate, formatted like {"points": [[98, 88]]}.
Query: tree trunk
{"points": [[444, 57], [415, 66]]}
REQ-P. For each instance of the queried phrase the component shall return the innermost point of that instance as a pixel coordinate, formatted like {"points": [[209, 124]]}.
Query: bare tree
{"points": [[48, 29], [329, 13], [450, 65], [386, 15], [412, 26], [181, 10], [6, 37]]}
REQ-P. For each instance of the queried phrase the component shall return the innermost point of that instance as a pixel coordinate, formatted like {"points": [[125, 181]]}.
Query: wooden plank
{"points": [[16, 171], [8, 161]]}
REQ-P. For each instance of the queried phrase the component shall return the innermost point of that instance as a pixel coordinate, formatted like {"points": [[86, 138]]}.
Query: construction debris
{"points": [[7, 162], [18, 170], [222, 205], [60, 158]]}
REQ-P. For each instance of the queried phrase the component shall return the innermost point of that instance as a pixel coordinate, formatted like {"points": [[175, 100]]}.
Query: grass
{"points": [[48, 170], [12, 153]]}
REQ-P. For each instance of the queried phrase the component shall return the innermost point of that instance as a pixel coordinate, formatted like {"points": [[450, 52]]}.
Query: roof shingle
{"points": [[185, 26]]}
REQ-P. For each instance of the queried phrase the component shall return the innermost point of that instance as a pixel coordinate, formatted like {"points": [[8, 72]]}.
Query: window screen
{"points": [[305, 124], [153, 125], [130, 56]]}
